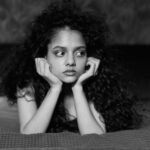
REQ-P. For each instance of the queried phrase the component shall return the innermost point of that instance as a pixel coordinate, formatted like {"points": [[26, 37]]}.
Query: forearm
{"points": [[42, 117], [86, 121]]}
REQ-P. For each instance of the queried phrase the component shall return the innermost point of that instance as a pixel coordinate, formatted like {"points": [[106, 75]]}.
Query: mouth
{"points": [[70, 72]]}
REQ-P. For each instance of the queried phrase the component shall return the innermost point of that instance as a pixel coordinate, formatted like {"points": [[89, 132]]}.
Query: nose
{"points": [[70, 60]]}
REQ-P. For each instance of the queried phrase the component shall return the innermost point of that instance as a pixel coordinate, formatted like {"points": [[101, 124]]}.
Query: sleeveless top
{"points": [[70, 126]]}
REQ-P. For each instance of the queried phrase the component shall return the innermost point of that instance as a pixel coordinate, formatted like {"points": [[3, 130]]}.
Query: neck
{"points": [[68, 99], [67, 89]]}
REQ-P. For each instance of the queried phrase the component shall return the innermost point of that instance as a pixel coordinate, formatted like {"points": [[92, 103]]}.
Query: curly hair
{"points": [[105, 90]]}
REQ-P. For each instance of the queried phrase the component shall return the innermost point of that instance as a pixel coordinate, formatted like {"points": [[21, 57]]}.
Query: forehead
{"points": [[67, 37]]}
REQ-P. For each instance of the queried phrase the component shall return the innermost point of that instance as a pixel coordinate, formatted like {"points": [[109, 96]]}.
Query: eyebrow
{"points": [[79, 47]]}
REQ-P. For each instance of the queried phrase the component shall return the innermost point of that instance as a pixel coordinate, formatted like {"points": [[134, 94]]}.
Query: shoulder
{"points": [[26, 101], [27, 93]]}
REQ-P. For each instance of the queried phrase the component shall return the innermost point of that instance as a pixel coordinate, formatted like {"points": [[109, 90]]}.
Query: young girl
{"points": [[61, 78]]}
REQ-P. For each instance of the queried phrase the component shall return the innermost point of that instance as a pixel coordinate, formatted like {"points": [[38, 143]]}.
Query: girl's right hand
{"points": [[43, 69]]}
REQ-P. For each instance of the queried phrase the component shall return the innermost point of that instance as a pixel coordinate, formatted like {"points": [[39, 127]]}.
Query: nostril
{"points": [[71, 61], [71, 64]]}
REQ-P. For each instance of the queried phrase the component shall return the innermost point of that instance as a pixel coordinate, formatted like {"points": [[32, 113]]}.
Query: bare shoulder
{"points": [[26, 104], [26, 93], [26, 100]]}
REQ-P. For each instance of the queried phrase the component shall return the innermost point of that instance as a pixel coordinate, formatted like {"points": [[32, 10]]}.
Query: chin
{"points": [[69, 80]]}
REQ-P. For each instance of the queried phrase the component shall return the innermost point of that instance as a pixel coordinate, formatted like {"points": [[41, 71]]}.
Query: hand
{"points": [[43, 69], [92, 71]]}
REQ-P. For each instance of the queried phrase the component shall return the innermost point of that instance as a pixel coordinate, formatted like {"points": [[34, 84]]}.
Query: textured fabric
{"points": [[124, 140]]}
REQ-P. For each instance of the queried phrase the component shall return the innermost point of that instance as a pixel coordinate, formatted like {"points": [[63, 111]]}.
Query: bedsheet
{"points": [[123, 140]]}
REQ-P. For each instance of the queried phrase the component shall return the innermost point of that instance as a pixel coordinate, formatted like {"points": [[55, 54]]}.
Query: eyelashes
{"points": [[81, 53], [61, 53]]}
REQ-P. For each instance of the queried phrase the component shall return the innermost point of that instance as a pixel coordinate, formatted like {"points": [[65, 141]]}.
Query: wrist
{"points": [[77, 87], [56, 87]]}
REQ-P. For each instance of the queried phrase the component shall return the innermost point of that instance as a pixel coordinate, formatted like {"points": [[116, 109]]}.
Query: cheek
{"points": [[52, 63], [55, 67], [82, 66]]}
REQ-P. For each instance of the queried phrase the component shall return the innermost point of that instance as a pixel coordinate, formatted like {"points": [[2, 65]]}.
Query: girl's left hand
{"points": [[92, 71]]}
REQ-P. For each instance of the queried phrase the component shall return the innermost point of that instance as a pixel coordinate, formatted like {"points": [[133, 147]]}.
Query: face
{"points": [[67, 55]]}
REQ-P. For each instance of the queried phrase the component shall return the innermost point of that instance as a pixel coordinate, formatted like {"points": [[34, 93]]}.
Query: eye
{"points": [[59, 53], [81, 53]]}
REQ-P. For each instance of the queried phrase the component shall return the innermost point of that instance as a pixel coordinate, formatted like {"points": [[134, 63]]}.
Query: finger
{"points": [[96, 62], [91, 70], [88, 73], [97, 66], [37, 65], [47, 68], [41, 63], [41, 66], [50, 67], [47, 64], [48, 73]]}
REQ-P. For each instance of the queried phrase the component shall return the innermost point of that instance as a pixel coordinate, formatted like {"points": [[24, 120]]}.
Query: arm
{"points": [[33, 120], [87, 119]]}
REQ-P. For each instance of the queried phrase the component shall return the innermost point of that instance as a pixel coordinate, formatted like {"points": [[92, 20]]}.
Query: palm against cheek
{"points": [[43, 69], [93, 64]]}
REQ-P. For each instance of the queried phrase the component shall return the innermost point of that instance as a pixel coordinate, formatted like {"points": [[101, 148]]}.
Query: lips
{"points": [[70, 72]]}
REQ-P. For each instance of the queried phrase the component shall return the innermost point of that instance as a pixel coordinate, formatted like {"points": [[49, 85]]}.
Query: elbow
{"points": [[24, 131], [98, 131], [29, 131]]}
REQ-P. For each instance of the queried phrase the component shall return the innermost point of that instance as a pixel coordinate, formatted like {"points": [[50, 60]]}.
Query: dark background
{"points": [[129, 22]]}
